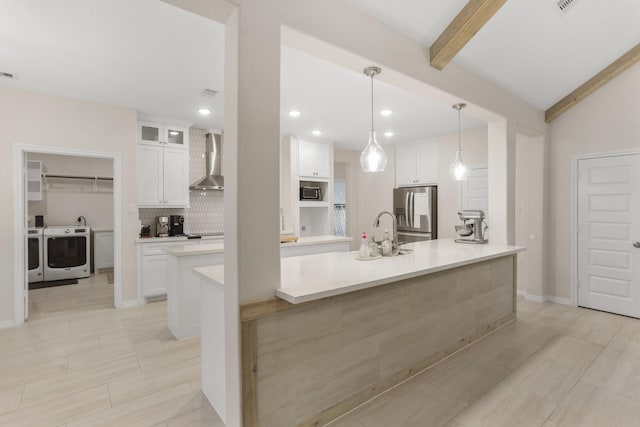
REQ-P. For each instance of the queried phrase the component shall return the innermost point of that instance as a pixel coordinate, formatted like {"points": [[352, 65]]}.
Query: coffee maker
{"points": [[176, 225], [471, 232], [162, 226]]}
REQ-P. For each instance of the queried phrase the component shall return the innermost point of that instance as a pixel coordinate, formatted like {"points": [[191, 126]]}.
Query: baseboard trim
{"points": [[129, 304], [6, 324], [545, 298], [558, 300]]}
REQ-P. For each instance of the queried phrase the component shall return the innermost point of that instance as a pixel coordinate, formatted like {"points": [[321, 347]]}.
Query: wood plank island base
{"points": [[306, 364]]}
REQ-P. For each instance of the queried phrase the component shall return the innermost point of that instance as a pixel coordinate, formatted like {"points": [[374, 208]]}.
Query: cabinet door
{"points": [[406, 165], [176, 137], [103, 249], [150, 176], [150, 133], [427, 163], [154, 275], [314, 159], [176, 177]]}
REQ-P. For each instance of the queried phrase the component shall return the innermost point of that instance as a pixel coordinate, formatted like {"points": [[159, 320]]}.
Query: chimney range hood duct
{"points": [[213, 180]]}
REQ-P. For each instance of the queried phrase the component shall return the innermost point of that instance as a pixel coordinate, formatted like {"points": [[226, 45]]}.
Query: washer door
{"points": [[66, 251]]}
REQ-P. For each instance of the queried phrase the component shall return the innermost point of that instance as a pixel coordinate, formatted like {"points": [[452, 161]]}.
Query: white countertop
{"points": [[315, 240], [175, 239], [188, 250], [214, 248], [312, 277]]}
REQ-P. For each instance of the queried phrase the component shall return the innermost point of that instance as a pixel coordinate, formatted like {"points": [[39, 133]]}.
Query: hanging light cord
{"points": [[459, 128], [371, 102]]}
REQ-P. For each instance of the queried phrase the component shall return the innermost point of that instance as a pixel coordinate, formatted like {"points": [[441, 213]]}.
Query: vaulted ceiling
{"points": [[529, 47]]}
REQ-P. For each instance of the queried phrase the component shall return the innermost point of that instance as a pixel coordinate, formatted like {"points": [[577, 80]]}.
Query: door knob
{"points": [[636, 245]]}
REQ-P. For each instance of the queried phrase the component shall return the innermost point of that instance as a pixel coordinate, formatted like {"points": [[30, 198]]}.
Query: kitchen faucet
{"points": [[395, 248]]}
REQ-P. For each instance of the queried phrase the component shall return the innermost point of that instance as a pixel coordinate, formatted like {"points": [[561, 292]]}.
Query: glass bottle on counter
{"points": [[373, 248], [364, 246], [386, 244]]}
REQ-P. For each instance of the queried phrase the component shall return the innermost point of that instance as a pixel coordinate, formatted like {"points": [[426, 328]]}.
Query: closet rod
{"points": [[99, 178]]}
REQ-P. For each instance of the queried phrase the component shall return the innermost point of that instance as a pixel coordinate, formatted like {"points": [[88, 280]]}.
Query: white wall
{"points": [[69, 199], [43, 120], [605, 121]]}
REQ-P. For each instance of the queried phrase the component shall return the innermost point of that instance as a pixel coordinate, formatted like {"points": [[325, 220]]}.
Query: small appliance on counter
{"points": [[162, 226], [471, 232], [176, 225], [145, 231]]}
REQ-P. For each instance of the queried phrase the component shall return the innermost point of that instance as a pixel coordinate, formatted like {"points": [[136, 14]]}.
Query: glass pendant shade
{"points": [[458, 170], [373, 157]]}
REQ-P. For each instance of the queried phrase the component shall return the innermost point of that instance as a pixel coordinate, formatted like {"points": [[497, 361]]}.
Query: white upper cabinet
{"points": [[150, 176], [314, 159], [176, 177], [150, 133], [417, 164], [163, 168]]}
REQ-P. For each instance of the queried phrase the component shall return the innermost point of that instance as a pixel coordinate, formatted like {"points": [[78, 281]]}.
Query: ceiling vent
{"points": [[564, 5], [209, 92], [8, 75]]}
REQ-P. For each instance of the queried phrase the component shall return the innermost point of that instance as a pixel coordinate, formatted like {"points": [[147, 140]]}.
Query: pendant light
{"points": [[458, 170], [373, 157]]}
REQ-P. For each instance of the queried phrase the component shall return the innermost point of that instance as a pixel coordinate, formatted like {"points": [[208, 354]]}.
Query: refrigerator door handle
{"points": [[406, 209], [411, 209]]}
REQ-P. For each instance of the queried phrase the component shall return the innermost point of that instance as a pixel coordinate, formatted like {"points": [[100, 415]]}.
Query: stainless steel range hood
{"points": [[214, 179]]}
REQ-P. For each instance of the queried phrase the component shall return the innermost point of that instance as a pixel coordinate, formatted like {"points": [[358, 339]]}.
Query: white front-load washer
{"points": [[67, 252]]}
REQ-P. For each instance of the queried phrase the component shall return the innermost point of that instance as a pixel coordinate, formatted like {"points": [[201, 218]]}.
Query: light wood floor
{"points": [[556, 366], [79, 362]]}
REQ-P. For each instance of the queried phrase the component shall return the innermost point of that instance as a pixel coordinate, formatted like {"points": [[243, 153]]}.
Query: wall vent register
{"points": [[565, 5]]}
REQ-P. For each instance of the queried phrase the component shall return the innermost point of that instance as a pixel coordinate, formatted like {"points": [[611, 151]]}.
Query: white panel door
{"points": [[475, 190], [608, 227]]}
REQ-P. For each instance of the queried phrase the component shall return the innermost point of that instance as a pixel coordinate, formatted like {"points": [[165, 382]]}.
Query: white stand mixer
{"points": [[471, 232]]}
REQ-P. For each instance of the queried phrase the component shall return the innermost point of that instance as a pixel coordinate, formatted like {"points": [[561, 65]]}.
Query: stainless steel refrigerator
{"points": [[416, 211]]}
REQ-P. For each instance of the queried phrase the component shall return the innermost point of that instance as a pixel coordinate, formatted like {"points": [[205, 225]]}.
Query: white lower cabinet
{"points": [[153, 275]]}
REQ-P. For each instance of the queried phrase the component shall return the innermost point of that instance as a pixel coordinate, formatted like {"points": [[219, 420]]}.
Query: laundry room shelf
{"points": [[80, 183]]}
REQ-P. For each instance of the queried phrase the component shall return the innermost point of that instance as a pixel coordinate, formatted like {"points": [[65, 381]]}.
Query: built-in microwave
{"points": [[310, 193]]}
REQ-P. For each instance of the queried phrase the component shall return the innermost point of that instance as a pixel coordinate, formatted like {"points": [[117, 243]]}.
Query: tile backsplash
{"points": [[206, 211]]}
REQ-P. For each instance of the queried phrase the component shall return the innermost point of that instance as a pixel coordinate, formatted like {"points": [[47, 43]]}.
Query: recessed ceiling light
{"points": [[204, 111], [316, 132], [174, 132], [294, 113], [386, 112], [388, 134]]}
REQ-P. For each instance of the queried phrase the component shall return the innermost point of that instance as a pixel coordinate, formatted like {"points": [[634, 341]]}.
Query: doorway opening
{"points": [[67, 226], [340, 198]]}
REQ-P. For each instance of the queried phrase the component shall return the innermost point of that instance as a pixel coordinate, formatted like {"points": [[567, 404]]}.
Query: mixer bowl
{"points": [[464, 230]]}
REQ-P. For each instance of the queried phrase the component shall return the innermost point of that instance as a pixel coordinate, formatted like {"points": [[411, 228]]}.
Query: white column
{"points": [[251, 168], [502, 159]]}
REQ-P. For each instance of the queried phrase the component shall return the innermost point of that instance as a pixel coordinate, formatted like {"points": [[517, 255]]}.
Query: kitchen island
{"points": [[183, 287], [340, 331]]}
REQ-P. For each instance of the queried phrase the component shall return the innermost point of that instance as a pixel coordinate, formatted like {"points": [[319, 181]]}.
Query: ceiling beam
{"points": [[464, 26], [595, 83]]}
